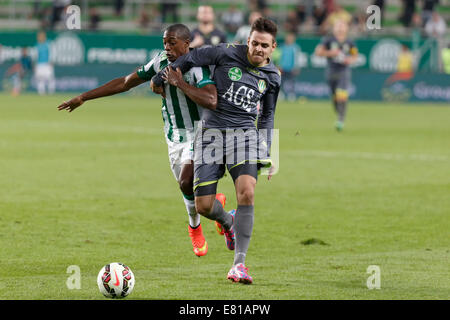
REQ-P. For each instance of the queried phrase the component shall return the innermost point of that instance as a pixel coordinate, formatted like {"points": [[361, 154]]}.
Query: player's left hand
{"points": [[173, 77], [271, 172]]}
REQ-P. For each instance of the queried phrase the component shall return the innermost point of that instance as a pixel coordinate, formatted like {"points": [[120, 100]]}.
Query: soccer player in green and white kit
{"points": [[340, 53], [180, 110], [244, 76]]}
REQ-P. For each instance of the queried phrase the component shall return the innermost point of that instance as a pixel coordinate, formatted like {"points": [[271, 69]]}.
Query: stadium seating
{"points": [[19, 14]]}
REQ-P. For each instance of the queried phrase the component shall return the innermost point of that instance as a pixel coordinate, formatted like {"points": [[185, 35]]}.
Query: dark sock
{"points": [[220, 215], [243, 227], [342, 110]]}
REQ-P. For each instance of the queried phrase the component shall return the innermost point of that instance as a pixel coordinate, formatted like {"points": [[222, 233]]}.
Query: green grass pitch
{"points": [[94, 187]]}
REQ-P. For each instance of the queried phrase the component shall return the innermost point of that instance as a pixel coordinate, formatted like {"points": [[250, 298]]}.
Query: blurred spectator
{"points": [[58, 11], [267, 12], [44, 73], [19, 71], [44, 17], [435, 27], [446, 59], [305, 10], [206, 33], [329, 6], [244, 31], [288, 64], [319, 16], [257, 5], [427, 9], [409, 8], [143, 20], [94, 19], [337, 14], [169, 7], [380, 4], [358, 23], [292, 22], [405, 60], [232, 19], [118, 7]]}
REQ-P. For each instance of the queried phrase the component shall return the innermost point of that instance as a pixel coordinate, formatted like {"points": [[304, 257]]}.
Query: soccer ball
{"points": [[115, 280]]}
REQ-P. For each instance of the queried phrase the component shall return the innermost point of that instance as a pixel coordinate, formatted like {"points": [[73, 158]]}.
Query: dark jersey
{"points": [[240, 87], [213, 38], [336, 64]]}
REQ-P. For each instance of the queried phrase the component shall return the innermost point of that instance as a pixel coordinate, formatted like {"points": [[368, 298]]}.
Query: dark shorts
{"points": [[338, 80], [241, 152]]}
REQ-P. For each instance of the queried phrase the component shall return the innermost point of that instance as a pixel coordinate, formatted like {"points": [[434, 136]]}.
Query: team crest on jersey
{"points": [[261, 85], [235, 74]]}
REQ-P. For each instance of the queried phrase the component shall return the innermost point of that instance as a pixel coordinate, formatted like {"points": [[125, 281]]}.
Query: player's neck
{"points": [[341, 39], [206, 28]]}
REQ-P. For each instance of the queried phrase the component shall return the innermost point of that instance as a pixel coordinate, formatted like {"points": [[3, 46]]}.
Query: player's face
{"points": [[174, 46], [340, 29], [205, 14], [260, 47]]}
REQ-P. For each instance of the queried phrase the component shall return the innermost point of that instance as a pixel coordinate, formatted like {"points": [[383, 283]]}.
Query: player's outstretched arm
{"points": [[114, 86], [205, 96], [266, 119]]}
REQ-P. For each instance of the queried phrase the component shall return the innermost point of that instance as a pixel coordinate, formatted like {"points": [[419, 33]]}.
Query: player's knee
{"points": [[186, 186], [203, 207], [245, 196]]}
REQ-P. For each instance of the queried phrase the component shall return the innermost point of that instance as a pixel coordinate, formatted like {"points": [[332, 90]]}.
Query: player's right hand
{"points": [[71, 104], [157, 90]]}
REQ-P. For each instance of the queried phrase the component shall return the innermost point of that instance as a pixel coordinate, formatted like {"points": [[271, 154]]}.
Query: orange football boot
{"points": [[199, 244]]}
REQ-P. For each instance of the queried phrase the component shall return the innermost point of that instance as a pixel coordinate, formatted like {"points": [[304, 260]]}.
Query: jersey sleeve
{"points": [[202, 76], [326, 42], [195, 58], [146, 72], [267, 113]]}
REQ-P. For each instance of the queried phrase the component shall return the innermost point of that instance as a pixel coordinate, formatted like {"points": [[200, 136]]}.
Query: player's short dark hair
{"points": [[263, 24], [180, 30]]}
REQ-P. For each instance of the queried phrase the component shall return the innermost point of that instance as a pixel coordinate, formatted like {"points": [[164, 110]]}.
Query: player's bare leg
{"points": [[341, 108]]}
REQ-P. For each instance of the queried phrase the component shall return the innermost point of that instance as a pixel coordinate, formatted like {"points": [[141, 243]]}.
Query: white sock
{"points": [[194, 217]]}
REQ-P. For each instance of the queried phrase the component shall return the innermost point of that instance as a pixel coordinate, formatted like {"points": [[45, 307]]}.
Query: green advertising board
{"points": [[84, 61]]}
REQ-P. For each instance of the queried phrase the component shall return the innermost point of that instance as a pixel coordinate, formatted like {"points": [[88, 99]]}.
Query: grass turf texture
{"points": [[94, 187]]}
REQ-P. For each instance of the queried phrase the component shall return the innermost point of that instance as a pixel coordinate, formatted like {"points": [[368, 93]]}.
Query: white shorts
{"points": [[180, 153], [44, 72]]}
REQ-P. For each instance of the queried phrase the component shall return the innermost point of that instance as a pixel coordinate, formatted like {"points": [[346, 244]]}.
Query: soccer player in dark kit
{"points": [[245, 78], [340, 52]]}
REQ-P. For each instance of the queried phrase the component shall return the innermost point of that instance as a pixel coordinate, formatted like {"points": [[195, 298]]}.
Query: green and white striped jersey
{"points": [[178, 111]]}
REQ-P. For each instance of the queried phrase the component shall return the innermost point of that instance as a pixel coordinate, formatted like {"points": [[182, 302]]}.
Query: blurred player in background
{"points": [[180, 110], [206, 32], [340, 53], [243, 32], [289, 65], [44, 73], [19, 71], [244, 76]]}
